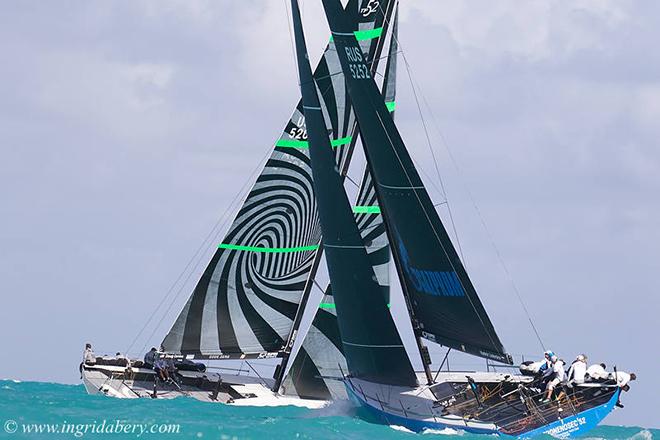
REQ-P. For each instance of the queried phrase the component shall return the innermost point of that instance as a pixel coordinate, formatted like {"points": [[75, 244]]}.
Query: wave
{"points": [[41, 402]]}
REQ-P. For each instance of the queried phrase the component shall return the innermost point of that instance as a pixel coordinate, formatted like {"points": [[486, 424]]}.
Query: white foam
{"points": [[337, 408], [445, 431], [401, 428], [644, 434]]}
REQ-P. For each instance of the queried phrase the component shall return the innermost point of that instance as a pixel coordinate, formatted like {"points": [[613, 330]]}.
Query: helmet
{"points": [[549, 353], [581, 357]]}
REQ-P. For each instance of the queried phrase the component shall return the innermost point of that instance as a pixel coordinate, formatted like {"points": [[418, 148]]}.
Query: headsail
{"points": [[369, 344], [320, 358], [442, 297], [247, 300]]}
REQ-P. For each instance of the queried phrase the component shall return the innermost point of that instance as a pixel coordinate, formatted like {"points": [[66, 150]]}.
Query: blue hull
{"points": [[565, 428]]}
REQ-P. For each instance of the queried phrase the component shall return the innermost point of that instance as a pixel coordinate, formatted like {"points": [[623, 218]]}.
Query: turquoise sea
{"points": [[29, 407]]}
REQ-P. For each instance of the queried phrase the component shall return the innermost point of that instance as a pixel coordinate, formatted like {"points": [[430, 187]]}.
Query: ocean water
{"points": [[48, 410]]}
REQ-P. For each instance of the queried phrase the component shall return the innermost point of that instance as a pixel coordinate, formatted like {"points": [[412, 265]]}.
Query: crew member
{"points": [[622, 378], [547, 363], [578, 370], [597, 372], [559, 376], [150, 358], [89, 357]]}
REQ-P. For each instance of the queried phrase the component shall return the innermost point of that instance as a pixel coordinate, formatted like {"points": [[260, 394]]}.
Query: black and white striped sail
{"points": [[246, 301], [320, 359]]}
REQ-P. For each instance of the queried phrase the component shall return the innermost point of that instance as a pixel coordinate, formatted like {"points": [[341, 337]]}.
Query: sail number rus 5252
{"points": [[356, 63]]}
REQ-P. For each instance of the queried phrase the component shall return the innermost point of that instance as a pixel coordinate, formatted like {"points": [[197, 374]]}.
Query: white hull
{"points": [[113, 381]]}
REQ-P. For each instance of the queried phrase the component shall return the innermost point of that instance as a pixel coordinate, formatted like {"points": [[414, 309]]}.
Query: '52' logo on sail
{"points": [[356, 64], [371, 7]]}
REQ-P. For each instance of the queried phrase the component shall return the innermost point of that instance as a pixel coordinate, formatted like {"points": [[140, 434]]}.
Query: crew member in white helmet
{"points": [[559, 376], [578, 370]]}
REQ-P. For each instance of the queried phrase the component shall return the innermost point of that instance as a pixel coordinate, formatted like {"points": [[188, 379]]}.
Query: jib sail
{"points": [[442, 297]]}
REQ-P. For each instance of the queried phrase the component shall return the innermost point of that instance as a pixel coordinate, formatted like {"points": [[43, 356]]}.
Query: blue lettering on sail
{"points": [[431, 282]]}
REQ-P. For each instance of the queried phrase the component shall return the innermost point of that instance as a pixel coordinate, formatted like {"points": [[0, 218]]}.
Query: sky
{"points": [[127, 128]]}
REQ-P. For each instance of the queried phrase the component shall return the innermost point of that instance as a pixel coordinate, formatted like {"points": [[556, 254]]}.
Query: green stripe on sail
{"points": [[236, 247], [366, 209], [332, 305], [291, 143], [341, 141], [391, 106], [367, 34], [294, 143]]}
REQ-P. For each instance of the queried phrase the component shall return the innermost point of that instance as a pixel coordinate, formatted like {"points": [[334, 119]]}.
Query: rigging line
{"points": [[352, 181], [318, 286], [191, 272], [435, 161], [183, 272], [428, 140], [199, 253], [473, 201], [197, 263], [288, 26]]}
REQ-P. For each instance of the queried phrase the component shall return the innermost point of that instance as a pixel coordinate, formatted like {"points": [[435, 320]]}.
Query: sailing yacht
{"points": [[443, 305], [250, 301]]}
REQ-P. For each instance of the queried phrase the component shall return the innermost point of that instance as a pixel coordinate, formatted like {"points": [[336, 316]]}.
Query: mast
{"points": [[373, 347], [376, 19]]}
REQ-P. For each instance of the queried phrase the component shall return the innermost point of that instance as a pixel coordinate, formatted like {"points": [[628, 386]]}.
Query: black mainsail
{"points": [[369, 344], [444, 303], [320, 359], [320, 356], [247, 302]]}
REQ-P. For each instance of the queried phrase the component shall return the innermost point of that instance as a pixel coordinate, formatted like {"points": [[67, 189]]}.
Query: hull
{"points": [[115, 381], [578, 424], [406, 408]]}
